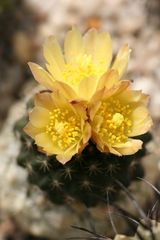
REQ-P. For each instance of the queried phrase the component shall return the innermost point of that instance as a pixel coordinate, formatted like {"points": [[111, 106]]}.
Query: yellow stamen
{"points": [[64, 128], [82, 67], [116, 124]]}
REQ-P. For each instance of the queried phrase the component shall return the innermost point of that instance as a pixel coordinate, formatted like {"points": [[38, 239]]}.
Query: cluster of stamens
{"points": [[81, 68], [116, 123], [64, 128]]}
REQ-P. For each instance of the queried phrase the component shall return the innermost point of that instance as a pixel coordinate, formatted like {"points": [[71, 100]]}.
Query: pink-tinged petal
{"points": [[73, 45], [31, 130], [108, 80], [128, 148], [141, 121], [121, 62], [41, 76], [39, 117], [53, 53]]}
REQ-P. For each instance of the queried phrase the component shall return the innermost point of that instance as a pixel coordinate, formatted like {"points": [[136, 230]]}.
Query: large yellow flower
{"points": [[57, 126], [116, 116], [77, 71]]}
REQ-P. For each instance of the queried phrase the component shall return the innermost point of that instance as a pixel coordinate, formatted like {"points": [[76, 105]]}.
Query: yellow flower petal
{"points": [[44, 142], [58, 126], [99, 46], [41, 76], [83, 68], [53, 53], [141, 121], [90, 39], [87, 88], [31, 130], [108, 80], [129, 147], [116, 114], [39, 117], [103, 51], [44, 100], [73, 45], [121, 62], [55, 71], [134, 96], [65, 90]]}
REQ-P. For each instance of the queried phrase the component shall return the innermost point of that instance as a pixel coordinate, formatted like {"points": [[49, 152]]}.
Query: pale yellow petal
{"points": [[104, 49], [93, 108], [108, 80], [90, 40], [99, 46], [31, 130], [45, 142], [61, 102], [63, 158], [86, 133], [73, 45], [44, 100], [80, 108], [53, 53], [121, 62], [39, 117], [128, 148], [116, 90], [114, 151], [134, 96], [87, 88], [55, 71], [66, 156], [101, 146], [65, 90], [41, 76], [141, 121], [77, 147]]}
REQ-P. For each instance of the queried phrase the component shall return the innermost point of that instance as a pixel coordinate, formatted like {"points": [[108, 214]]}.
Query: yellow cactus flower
{"points": [[77, 71], [57, 126], [116, 116]]}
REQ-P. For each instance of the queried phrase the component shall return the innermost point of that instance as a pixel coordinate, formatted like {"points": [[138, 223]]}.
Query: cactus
{"points": [[87, 178]]}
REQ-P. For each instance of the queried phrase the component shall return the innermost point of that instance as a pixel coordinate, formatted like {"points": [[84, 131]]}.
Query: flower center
{"points": [[116, 123], [82, 67], [64, 128]]}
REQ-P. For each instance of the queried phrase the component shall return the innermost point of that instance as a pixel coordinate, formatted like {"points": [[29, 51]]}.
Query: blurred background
{"points": [[25, 24]]}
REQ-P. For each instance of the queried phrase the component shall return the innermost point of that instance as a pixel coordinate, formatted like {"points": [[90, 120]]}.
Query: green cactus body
{"points": [[87, 178]]}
